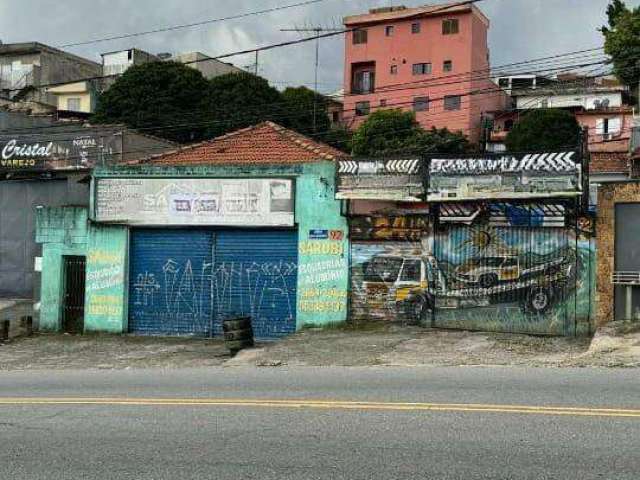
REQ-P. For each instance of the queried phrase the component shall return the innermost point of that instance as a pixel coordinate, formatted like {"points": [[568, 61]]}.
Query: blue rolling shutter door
{"points": [[170, 282], [255, 273]]}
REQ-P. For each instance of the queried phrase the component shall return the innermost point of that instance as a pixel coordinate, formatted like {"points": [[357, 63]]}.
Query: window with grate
{"points": [[362, 108], [359, 36], [452, 102], [420, 104], [450, 26], [421, 68]]}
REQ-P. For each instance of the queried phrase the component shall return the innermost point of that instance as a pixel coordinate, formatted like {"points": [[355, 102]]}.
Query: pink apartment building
{"points": [[431, 60]]}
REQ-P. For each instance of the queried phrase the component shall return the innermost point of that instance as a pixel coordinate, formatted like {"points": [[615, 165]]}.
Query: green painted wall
{"points": [[65, 231], [106, 288], [61, 231], [323, 262]]}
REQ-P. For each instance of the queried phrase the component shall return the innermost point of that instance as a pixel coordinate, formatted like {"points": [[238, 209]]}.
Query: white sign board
{"points": [[201, 201]]}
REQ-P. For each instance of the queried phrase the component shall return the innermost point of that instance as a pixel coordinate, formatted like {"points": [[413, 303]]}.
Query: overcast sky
{"points": [[520, 29]]}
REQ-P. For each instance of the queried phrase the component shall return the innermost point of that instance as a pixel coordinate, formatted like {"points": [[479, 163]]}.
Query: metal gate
{"points": [[170, 282], [255, 274], [18, 247], [508, 279], [627, 262], [73, 296], [186, 282]]}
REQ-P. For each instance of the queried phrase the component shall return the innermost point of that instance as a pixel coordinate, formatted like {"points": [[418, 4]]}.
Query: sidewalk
{"points": [[61, 352], [617, 345], [392, 345]]}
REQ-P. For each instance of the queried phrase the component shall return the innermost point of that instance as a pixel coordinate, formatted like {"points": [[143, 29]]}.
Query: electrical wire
{"points": [[189, 25]]}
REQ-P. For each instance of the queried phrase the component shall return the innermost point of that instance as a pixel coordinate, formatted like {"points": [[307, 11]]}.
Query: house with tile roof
{"points": [[245, 224]]}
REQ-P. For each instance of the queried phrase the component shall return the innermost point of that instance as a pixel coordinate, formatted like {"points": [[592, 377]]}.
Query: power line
{"points": [[564, 67], [190, 25], [247, 51]]}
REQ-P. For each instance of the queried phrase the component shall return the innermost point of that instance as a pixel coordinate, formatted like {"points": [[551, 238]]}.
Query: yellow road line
{"points": [[324, 404]]}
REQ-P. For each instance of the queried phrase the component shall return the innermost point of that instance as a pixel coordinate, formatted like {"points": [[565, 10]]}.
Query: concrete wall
{"points": [[61, 231], [47, 65], [323, 264], [586, 101], [209, 67]]}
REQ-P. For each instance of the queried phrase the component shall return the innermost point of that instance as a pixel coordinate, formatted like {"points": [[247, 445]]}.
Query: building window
{"points": [[508, 125], [359, 36], [393, 70], [388, 30], [447, 66], [420, 104], [335, 117], [452, 102], [363, 81], [421, 68], [73, 104], [415, 27], [450, 26], [608, 127], [383, 103], [362, 109]]}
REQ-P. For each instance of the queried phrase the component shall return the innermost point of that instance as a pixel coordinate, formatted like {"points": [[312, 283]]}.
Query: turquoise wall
{"points": [[323, 264], [323, 259], [106, 287], [66, 231], [61, 231]]}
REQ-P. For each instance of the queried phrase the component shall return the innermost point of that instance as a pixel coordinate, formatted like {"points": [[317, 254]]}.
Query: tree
{"points": [[543, 130], [299, 105], [164, 98], [622, 41], [298, 114], [239, 100], [394, 132]]}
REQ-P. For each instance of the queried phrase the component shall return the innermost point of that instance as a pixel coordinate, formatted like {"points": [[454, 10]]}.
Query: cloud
{"points": [[520, 29]]}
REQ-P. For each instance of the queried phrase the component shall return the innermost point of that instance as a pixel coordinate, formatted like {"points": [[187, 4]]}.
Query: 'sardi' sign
{"points": [[16, 154]]}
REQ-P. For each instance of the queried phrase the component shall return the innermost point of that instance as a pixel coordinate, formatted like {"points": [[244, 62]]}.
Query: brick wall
{"points": [[609, 162], [608, 195]]}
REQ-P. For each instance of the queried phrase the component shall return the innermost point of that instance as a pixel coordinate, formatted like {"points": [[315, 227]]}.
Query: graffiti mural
{"points": [[478, 276], [265, 291]]}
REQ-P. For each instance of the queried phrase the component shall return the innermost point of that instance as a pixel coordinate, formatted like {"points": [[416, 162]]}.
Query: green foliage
{"points": [[174, 101], [393, 132], [337, 137], [622, 41], [298, 105], [239, 100], [544, 129], [160, 95]]}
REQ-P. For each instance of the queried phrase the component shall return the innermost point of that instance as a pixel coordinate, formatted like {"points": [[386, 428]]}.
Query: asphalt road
{"points": [[321, 423]]}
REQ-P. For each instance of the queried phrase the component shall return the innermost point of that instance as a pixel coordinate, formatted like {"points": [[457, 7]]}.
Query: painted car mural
{"points": [[533, 280]]}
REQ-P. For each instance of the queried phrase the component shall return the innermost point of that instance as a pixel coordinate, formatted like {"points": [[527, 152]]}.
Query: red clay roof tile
{"points": [[265, 143]]}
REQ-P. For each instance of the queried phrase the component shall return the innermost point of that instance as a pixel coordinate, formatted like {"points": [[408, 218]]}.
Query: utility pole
{"points": [[256, 70], [318, 31]]}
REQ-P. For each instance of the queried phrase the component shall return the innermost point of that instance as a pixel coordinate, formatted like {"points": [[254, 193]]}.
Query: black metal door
{"points": [[73, 297]]}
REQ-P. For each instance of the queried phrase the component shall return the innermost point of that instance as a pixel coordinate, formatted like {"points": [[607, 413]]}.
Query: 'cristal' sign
{"points": [[25, 154]]}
